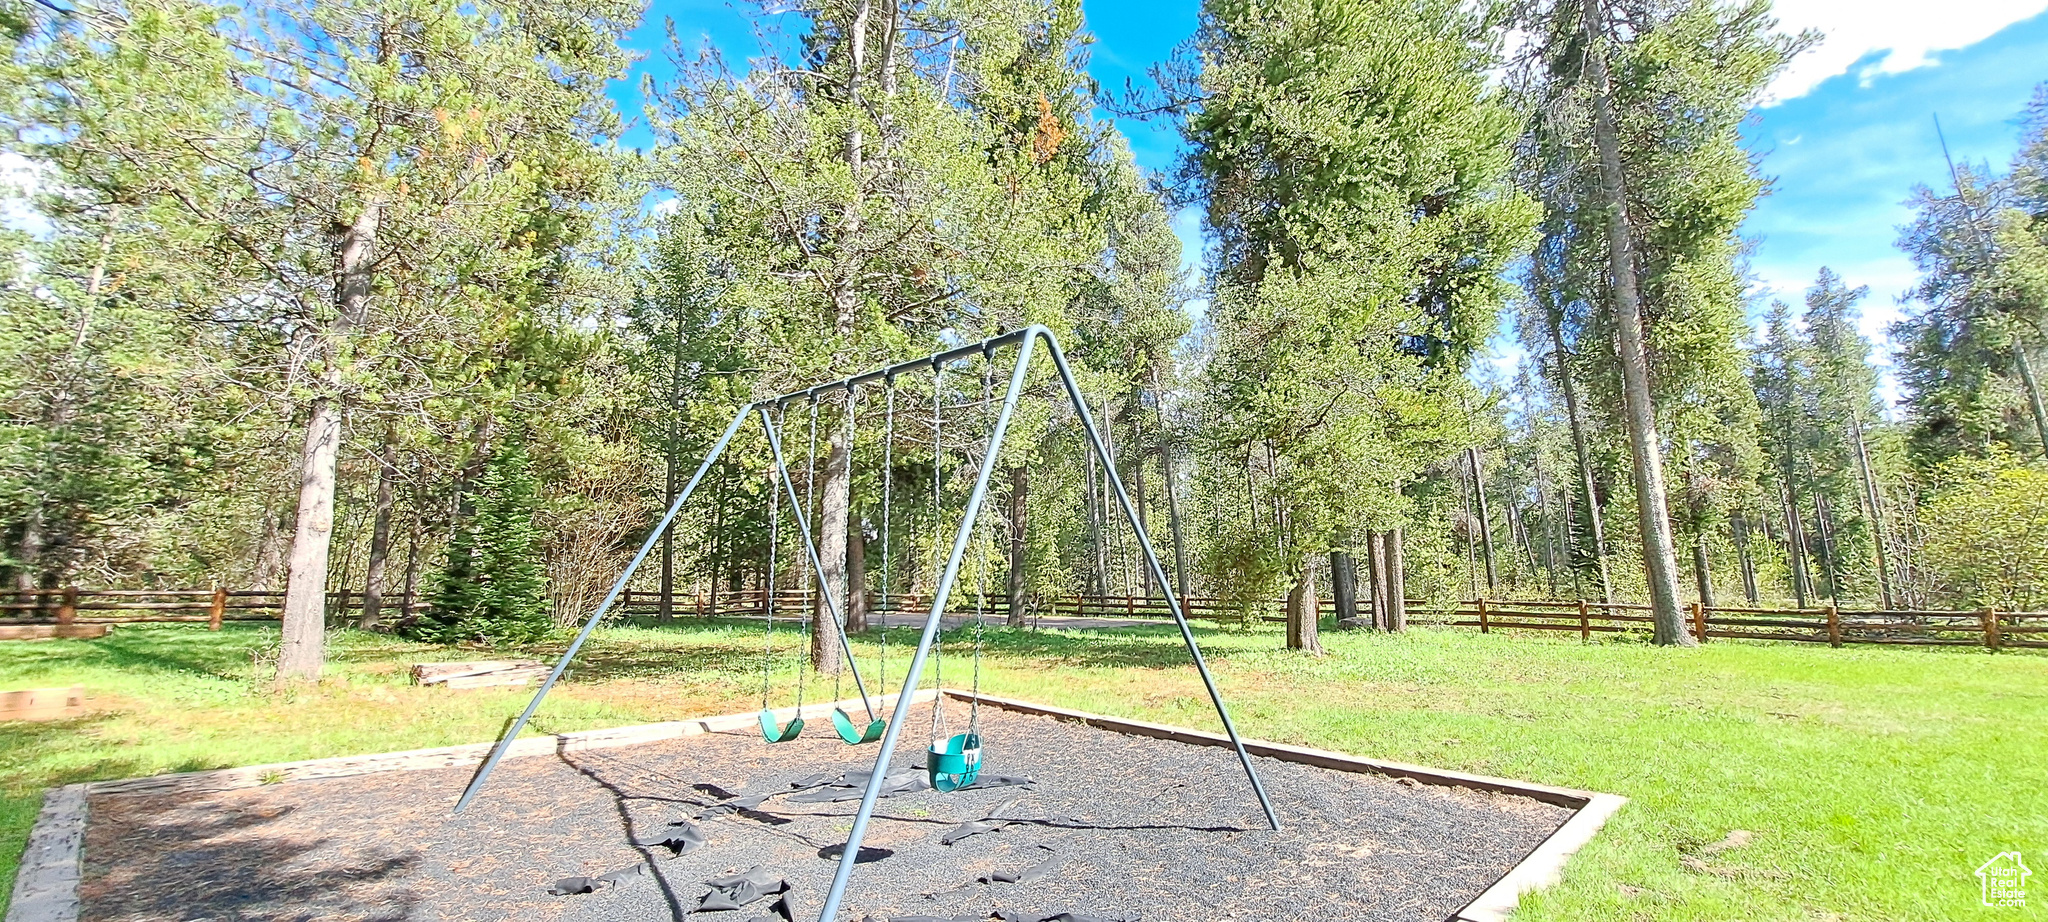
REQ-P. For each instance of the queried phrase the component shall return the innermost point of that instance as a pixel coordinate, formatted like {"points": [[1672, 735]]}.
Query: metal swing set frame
{"points": [[1025, 340]]}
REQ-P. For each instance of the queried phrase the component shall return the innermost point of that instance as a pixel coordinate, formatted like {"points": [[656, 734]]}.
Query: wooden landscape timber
{"points": [[479, 674], [47, 884], [42, 703], [53, 631]]}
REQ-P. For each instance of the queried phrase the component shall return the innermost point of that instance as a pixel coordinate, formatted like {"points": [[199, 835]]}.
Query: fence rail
{"points": [[1989, 628], [212, 607]]}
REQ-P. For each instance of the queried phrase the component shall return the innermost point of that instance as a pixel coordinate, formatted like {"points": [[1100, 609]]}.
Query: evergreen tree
{"points": [[1633, 143], [493, 585], [1353, 161]]}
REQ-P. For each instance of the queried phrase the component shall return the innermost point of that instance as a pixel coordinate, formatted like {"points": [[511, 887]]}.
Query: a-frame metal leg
{"points": [[1187, 633], [484, 774], [961, 538]]}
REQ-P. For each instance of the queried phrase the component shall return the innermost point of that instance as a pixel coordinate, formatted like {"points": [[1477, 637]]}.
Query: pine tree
{"points": [[1354, 165], [493, 585]]}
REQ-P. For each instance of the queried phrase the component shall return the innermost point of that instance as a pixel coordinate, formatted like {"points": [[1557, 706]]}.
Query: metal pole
{"points": [[931, 627], [817, 568], [1187, 633], [490, 764]]}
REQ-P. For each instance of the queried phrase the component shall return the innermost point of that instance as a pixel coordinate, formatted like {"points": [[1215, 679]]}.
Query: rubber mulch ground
{"points": [[1135, 828]]}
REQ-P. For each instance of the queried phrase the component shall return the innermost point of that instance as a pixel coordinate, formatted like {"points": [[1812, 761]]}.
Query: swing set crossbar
{"points": [[1025, 339]]}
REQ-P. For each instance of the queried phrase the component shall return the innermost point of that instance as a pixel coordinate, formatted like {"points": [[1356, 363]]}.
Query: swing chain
{"points": [[774, 554], [888, 487], [981, 580], [938, 534]]}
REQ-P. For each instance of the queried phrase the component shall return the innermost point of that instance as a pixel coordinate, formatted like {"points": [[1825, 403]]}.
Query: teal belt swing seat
{"points": [[853, 733], [784, 733]]}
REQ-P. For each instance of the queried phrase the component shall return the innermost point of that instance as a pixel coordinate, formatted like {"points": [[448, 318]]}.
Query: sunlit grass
{"points": [[1874, 780]]}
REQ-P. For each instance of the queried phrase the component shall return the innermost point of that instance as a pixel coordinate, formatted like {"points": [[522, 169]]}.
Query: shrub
{"points": [[493, 586], [1987, 534]]}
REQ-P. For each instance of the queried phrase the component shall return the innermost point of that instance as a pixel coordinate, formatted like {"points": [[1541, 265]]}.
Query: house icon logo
{"points": [[2002, 881]]}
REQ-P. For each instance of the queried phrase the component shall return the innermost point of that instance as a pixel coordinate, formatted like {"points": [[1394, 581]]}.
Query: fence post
{"points": [[1834, 625], [1992, 638], [219, 608], [1699, 621], [1585, 623], [67, 606], [1483, 629]]}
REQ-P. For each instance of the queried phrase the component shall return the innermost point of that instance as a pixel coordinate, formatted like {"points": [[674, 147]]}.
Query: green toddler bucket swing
{"points": [[956, 763]]}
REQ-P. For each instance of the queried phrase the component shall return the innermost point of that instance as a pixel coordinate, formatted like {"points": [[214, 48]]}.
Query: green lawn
{"points": [[1873, 780]]}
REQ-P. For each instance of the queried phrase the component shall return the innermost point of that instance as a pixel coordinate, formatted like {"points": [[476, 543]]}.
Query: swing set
{"points": [[955, 762]]}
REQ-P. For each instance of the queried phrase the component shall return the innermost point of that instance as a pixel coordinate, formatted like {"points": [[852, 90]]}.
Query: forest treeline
{"points": [[375, 297]]}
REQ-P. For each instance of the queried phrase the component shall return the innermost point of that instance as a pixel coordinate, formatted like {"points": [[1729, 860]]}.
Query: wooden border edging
{"points": [[46, 885], [1542, 867], [46, 888], [467, 754]]}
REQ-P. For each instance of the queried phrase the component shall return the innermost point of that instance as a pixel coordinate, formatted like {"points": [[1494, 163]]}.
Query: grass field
{"points": [[1872, 781]]}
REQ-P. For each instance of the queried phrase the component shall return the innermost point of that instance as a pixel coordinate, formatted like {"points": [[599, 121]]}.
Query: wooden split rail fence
{"points": [[1989, 628], [1831, 625], [213, 607]]}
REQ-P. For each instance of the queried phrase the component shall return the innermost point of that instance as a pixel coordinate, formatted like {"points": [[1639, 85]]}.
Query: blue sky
{"points": [[1846, 134]]}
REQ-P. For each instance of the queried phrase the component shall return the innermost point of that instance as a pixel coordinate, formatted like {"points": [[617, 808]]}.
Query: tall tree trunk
{"points": [[1302, 613], [1376, 579], [1518, 530], [1748, 564], [1795, 544], [1485, 519], [269, 554], [1660, 564], [666, 610], [856, 577], [1829, 566], [832, 536], [1702, 573], [1099, 576], [836, 489], [1020, 495], [1170, 474], [1138, 499], [2026, 366], [380, 533], [1874, 503], [303, 652], [1549, 525], [412, 568], [1397, 581], [1594, 514], [1344, 585]]}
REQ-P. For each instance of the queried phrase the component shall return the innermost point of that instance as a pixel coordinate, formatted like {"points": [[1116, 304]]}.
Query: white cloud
{"points": [[1904, 34]]}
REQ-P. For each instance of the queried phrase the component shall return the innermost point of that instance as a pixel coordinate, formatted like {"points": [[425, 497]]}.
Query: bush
{"points": [[1987, 534], [493, 586]]}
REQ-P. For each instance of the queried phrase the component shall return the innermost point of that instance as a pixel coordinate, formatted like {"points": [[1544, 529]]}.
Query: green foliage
{"points": [[493, 585], [1354, 164], [1987, 533]]}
